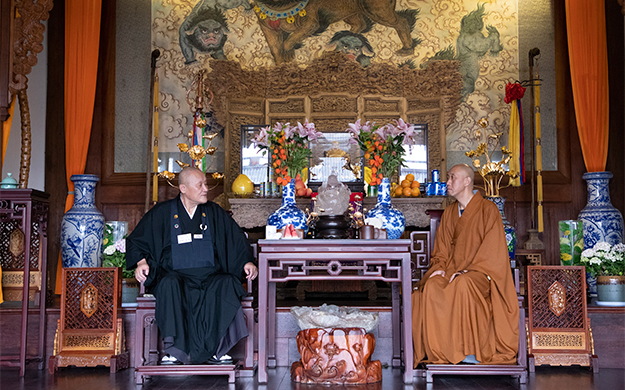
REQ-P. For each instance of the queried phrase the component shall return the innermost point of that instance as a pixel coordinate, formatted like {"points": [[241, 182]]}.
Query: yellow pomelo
{"points": [[242, 186]]}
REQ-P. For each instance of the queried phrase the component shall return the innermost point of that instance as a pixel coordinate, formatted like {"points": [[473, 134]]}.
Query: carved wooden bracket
{"points": [[27, 43], [27, 38]]}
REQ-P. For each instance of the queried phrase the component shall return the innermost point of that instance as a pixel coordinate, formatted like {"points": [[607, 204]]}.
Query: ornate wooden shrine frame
{"points": [[90, 331], [558, 327], [332, 92]]}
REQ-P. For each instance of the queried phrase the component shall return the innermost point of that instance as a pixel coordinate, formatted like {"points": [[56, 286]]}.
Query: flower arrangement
{"points": [[604, 259], [492, 171], [383, 146], [115, 252], [288, 146]]}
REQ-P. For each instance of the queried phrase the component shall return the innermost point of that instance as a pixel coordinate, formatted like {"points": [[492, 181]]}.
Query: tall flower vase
{"points": [[82, 226], [288, 213], [602, 222], [392, 219], [507, 226]]}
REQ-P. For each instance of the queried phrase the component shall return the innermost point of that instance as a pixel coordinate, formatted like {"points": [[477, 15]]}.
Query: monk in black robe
{"points": [[192, 255]]}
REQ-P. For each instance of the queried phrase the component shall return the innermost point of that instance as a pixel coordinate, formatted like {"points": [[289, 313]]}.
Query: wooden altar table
{"points": [[285, 260]]}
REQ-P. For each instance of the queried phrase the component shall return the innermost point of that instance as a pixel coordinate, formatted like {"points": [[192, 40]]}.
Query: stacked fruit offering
{"points": [[408, 187]]}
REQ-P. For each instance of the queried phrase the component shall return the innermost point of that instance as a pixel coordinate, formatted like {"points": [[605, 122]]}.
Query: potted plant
{"points": [[115, 256], [607, 263]]}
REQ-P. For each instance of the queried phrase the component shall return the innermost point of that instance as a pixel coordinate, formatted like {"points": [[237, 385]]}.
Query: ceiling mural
{"points": [[192, 34]]}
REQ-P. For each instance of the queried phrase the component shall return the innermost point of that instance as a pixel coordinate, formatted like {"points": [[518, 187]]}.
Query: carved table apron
{"points": [[285, 260]]}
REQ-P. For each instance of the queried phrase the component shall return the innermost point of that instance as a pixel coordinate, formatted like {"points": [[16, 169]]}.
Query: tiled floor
{"points": [[548, 378]]}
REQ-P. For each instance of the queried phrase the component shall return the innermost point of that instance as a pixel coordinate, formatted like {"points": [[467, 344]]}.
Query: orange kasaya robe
{"points": [[478, 312]]}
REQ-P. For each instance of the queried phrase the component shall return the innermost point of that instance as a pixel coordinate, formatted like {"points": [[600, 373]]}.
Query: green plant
{"points": [[571, 242], [604, 259], [114, 252]]}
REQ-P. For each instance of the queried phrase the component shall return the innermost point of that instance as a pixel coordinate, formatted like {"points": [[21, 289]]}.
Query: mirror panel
{"points": [[417, 156], [254, 160], [333, 153]]}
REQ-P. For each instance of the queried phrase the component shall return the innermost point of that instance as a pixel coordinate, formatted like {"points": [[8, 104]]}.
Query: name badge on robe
{"points": [[190, 250], [184, 238]]}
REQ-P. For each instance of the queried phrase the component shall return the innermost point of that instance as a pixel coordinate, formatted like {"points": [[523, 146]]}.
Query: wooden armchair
{"points": [[517, 370], [147, 344]]}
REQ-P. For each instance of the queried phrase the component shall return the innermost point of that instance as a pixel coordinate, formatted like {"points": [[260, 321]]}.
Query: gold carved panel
{"points": [[376, 104], [88, 342], [16, 242], [334, 103], [16, 279], [559, 359], [333, 125], [287, 106], [89, 300], [557, 298], [559, 340], [247, 105]]}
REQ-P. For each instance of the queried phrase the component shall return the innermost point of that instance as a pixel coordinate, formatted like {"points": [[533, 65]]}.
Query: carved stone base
{"points": [[336, 356]]}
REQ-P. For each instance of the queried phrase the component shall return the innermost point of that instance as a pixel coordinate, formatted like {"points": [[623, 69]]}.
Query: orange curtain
{"points": [[588, 58], [82, 43], [6, 128]]}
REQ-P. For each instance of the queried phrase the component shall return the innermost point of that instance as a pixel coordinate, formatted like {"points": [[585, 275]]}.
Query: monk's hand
{"points": [[439, 272], [251, 271], [142, 271], [453, 276]]}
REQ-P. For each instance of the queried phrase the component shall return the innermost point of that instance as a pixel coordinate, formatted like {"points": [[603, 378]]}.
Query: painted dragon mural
{"points": [[286, 24], [264, 33]]}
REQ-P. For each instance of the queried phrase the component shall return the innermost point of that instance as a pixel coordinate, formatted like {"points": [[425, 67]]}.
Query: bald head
{"points": [[465, 171], [185, 175], [193, 188], [460, 183]]}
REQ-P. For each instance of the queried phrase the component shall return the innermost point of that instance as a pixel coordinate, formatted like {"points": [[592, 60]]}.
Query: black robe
{"points": [[198, 310]]}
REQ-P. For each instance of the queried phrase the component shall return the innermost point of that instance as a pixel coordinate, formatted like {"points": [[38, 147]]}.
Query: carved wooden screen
{"points": [[89, 322], [13, 222], [558, 327]]}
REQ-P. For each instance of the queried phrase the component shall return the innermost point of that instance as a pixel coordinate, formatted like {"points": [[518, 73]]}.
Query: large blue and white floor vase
{"points": [[511, 237], [601, 220], [82, 226], [288, 213], [392, 219]]}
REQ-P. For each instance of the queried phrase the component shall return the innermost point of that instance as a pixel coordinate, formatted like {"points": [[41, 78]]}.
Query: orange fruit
{"points": [[407, 191], [405, 183], [415, 184], [410, 177], [415, 191]]}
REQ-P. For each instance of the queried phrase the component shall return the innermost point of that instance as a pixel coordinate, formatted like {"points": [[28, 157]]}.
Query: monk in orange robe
{"points": [[465, 307]]}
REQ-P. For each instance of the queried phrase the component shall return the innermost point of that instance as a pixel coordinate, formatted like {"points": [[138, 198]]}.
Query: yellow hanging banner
{"points": [[539, 159]]}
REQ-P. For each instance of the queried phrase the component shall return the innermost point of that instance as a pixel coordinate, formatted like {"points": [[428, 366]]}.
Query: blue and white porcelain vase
{"points": [[392, 219], [500, 202], [602, 221], [82, 226], [288, 212]]}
